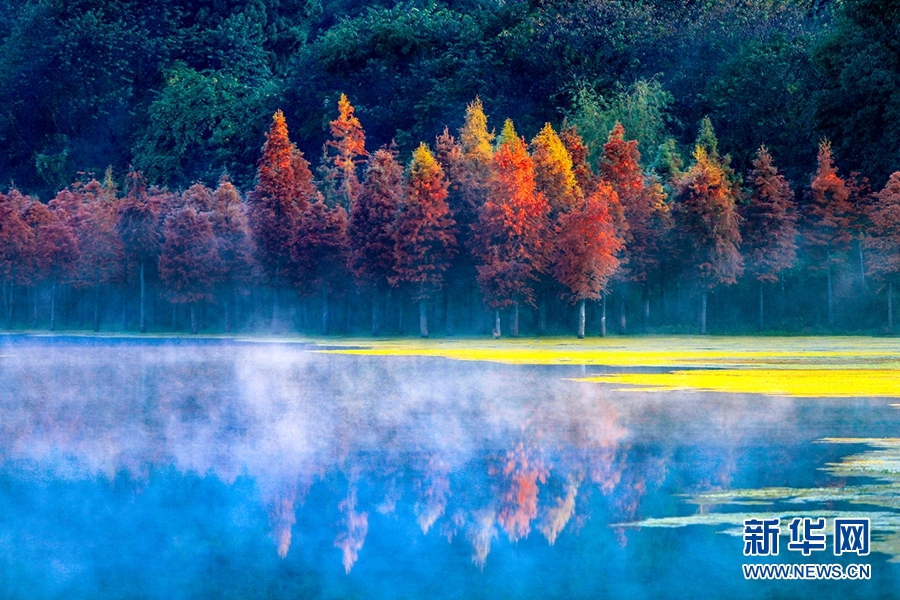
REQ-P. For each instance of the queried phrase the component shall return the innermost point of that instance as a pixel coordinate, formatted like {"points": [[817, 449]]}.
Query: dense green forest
{"points": [[660, 154]]}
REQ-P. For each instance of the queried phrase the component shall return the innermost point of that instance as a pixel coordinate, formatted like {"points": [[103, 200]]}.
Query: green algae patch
{"points": [[781, 366], [811, 383]]}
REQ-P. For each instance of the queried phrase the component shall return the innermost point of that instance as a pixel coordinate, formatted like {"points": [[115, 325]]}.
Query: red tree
{"points": [[553, 172], [587, 249], [234, 242], [646, 215], [189, 263], [370, 228], [319, 250], [284, 190], [137, 228], [579, 153], [342, 154], [55, 244], [100, 249], [884, 239], [769, 230], [512, 239], [707, 227], [827, 219], [16, 243], [424, 235]]}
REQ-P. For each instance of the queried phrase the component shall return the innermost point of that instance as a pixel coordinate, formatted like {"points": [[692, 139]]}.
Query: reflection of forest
{"points": [[464, 451]]}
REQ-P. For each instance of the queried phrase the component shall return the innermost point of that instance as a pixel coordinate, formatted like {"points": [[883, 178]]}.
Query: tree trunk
{"points": [[125, 304], [514, 321], [324, 310], [862, 264], [194, 318], [400, 315], [829, 293], [542, 315], [376, 326], [448, 320], [581, 319], [703, 313], [53, 304], [762, 322], [423, 318], [645, 305], [9, 303], [97, 303], [143, 301], [34, 307], [890, 307], [275, 301], [622, 322], [496, 332], [229, 308], [603, 314]]}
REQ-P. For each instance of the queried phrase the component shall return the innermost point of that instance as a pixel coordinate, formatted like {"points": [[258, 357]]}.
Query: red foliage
{"points": [[189, 263], [769, 232], [884, 231], [283, 191], [137, 219], [318, 247], [643, 206], [233, 239], [519, 502], [349, 145], [424, 234], [16, 239], [828, 211], [370, 229], [587, 245], [579, 152], [512, 240]]}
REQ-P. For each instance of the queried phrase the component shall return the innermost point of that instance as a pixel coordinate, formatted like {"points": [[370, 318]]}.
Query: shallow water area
{"points": [[212, 468]]}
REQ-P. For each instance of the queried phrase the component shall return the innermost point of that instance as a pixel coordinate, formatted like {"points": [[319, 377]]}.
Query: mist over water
{"points": [[189, 469]]}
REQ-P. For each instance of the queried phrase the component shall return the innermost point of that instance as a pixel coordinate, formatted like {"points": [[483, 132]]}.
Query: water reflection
{"points": [[475, 454]]}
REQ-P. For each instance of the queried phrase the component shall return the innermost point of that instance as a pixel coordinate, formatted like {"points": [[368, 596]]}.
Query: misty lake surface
{"points": [[145, 468]]}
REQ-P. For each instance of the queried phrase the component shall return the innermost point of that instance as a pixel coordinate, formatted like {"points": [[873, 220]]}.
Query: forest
{"points": [[473, 167]]}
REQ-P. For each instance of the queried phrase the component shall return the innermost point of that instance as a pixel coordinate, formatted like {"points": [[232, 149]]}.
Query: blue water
{"points": [[133, 469]]}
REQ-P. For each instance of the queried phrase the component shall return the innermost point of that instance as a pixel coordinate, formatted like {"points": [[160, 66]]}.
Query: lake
{"points": [[174, 468]]}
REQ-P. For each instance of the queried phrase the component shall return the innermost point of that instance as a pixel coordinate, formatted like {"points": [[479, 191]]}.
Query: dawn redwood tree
{"points": [[645, 213], [55, 245], [769, 231], [706, 221], [553, 172], [424, 234], [512, 238], [343, 152], [587, 248], [578, 154], [861, 198], [883, 240], [827, 216], [319, 251], [475, 140], [284, 189], [189, 263], [16, 244], [234, 243], [137, 228], [370, 229]]}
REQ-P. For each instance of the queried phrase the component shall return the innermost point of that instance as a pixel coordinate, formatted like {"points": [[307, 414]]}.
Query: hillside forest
{"points": [[473, 167]]}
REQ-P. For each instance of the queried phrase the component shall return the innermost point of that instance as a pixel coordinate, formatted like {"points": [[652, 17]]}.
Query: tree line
{"points": [[477, 219]]}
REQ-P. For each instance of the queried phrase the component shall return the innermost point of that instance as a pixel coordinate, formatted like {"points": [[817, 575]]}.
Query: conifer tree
{"points": [[512, 240], [769, 230], [425, 236], [234, 245], [284, 190], [553, 171], [319, 251], [137, 228], [707, 228], [645, 213], [343, 152], [883, 240], [55, 246], [827, 215], [476, 141], [587, 249], [16, 242], [578, 153], [370, 229], [189, 263]]}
